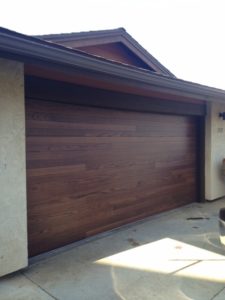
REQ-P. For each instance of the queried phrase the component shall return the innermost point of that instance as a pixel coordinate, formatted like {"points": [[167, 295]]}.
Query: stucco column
{"points": [[13, 213], [215, 152]]}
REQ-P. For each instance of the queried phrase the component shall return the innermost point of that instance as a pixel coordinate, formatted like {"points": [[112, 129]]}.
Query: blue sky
{"points": [[187, 36]]}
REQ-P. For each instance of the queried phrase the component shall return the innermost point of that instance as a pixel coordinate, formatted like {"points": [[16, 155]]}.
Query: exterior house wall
{"points": [[215, 152], [13, 214]]}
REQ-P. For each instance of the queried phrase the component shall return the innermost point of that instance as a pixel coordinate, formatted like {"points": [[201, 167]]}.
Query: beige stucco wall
{"points": [[215, 152], [13, 215]]}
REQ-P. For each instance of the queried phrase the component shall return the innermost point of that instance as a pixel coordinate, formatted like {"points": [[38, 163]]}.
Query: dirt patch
{"points": [[197, 218]]}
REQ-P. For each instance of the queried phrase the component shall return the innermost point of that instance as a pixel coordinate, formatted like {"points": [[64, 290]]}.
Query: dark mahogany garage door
{"points": [[93, 169]]}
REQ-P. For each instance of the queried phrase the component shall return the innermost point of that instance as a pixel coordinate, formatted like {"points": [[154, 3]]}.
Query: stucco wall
{"points": [[13, 215], [215, 152]]}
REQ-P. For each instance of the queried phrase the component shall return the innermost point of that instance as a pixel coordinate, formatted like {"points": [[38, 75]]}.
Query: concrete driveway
{"points": [[175, 255]]}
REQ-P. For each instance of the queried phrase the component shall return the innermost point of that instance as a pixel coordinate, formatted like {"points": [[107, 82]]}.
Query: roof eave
{"points": [[24, 46]]}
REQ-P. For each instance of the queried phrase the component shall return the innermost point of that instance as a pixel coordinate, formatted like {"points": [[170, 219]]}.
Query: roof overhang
{"points": [[38, 52]]}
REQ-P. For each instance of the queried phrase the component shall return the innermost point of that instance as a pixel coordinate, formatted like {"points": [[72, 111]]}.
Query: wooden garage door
{"points": [[92, 169]]}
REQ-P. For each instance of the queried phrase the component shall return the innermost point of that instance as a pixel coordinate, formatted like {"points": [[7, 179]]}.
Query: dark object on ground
{"points": [[222, 225]]}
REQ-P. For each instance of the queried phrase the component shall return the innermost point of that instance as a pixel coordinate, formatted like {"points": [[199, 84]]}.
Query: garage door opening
{"points": [[93, 169]]}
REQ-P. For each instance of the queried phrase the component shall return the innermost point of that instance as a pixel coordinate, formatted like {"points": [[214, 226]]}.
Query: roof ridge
{"points": [[67, 34]]}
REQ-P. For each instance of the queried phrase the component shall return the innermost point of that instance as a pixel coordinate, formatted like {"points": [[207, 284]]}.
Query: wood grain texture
{"points": [[94, 169], [116, 52]]}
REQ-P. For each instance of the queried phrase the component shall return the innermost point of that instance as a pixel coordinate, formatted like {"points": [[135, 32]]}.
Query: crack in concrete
{"points": [[39, 286], [217, 293], [183, 268]]}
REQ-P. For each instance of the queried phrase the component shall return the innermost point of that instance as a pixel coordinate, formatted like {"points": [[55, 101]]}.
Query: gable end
{"points": [[116, 45]]}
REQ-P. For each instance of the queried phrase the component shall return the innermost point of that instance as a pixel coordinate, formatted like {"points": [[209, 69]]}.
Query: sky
{"points": [[187, 36]]}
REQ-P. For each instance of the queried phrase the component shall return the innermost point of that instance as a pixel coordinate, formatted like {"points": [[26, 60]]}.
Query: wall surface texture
{"points": [[13, 215], [215, 152]]}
